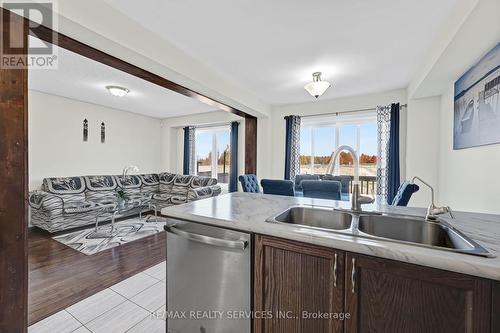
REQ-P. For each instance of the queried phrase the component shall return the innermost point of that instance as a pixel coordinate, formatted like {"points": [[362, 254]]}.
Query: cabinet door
{"points": [[292, 277], [388, 296]]}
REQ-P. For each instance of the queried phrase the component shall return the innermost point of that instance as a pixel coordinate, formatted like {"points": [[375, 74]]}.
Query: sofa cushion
{"points": [[80, 207], [132, 184], [150, 179], [199, 181], [164, 199], [203, 192], [64, 185], [141, 198], [68, 188], [162, 196], [100, 187], [130, 181], [47, 201], [166, 181], [150, 183], [182, 184]]}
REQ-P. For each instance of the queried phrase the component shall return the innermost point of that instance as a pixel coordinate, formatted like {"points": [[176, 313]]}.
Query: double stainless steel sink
{"points": [[438, 235]]}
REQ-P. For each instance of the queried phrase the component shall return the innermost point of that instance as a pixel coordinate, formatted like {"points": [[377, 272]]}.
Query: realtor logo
{"points": [[41, 53]]}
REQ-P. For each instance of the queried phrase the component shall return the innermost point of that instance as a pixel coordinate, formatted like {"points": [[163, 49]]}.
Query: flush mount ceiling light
{"points": [[317, 87], [117, 91]]}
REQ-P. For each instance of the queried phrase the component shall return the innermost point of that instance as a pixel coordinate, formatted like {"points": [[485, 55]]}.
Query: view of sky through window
{"points": [[320, 142]]}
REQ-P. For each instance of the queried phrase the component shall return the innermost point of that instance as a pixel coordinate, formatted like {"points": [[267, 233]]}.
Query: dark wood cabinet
{"points": [[292, 277], [380, 295], [495, 307], [389, 296]]}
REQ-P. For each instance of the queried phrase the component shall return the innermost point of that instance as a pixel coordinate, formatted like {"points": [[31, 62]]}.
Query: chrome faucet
{"points": [[357, 199], [433, 211]]}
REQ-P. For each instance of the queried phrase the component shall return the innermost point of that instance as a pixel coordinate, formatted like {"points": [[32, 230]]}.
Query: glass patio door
{"points": [[213, 153]]}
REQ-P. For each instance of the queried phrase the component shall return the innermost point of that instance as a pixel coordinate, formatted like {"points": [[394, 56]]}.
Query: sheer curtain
{"points": [[292, 147], [383, 132], [388, 166]]}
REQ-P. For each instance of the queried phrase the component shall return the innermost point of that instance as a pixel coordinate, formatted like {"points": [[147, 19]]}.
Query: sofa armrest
{"points": [[44, 200], [203, 192]]}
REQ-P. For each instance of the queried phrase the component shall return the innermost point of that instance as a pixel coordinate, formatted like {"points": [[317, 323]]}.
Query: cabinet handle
{"points": [[353, 276], [335, 271]]}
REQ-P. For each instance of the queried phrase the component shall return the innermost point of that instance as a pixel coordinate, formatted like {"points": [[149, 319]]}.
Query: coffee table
{"points": [[115, 209]]}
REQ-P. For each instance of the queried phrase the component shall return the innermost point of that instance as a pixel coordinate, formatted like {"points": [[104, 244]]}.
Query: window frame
{"points": [[336, 122], [214, 130]]}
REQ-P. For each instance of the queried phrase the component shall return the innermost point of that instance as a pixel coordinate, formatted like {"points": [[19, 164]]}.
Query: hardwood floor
{"points": [[60, 276]]}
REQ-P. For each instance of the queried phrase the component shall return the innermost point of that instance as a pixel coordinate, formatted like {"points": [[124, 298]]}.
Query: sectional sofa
{"points": [[71, 202]]}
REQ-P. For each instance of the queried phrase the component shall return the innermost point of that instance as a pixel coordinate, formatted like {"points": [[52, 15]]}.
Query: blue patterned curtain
{"points": [[393, 174], [292, 147], [189, 160], [233, 172]]}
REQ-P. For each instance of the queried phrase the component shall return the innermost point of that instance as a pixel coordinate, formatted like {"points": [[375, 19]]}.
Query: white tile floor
{"points": [[130, 306]]}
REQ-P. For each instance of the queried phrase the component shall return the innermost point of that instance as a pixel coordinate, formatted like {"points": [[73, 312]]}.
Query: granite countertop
{"points": [[249, 211]]}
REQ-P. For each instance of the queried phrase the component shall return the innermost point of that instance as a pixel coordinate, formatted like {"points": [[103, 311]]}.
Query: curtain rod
{"points": [[350, 111]]}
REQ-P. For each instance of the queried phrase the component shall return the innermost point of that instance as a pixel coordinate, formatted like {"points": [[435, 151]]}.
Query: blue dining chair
{"points": [[249, 183], [300, 178], [277, 187], [322, 189], [405, 191], [344, 180]]}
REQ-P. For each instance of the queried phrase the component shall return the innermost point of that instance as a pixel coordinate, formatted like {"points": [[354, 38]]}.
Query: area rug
{"points": [[125, 231]]}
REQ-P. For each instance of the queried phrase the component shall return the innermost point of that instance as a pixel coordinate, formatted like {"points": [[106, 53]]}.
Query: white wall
{"points": [[56, 147], [275, 144], [468, 178], [464, 179], [422, 146], [471, 31], [172, 137]]}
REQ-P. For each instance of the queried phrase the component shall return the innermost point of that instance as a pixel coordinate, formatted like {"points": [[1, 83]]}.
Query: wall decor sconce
{"points": [[85, 130], [103, 132]]}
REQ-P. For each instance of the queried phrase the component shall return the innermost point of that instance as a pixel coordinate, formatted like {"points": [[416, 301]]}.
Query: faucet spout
{"points": [[356, 200], [336, 154]]}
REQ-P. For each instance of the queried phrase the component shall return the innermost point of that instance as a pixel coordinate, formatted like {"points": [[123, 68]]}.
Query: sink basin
{"points": [[325, 218], [419, 231], [438, 235]]}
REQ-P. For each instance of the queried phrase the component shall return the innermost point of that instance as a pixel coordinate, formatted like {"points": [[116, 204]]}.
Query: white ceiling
{"points": [[272, 47], [83, 79]]}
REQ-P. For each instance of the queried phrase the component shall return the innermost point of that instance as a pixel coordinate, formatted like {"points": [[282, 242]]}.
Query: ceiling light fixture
{"points": [[317, 87], [117, 91]]}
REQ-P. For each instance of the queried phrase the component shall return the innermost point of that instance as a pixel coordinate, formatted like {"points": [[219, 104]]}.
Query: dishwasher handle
{"points": [[240, 245]]}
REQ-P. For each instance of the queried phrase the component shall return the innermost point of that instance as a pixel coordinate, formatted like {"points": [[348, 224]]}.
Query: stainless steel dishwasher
{"points": [[208, 279]]}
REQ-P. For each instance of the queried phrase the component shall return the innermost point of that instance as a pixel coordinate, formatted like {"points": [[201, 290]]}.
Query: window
{"points": [[224, 154], [213, 153], [306, 147], [319, 137]]}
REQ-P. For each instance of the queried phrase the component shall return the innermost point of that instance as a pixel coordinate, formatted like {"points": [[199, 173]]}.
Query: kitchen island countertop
{"points": [[249, 211]]}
